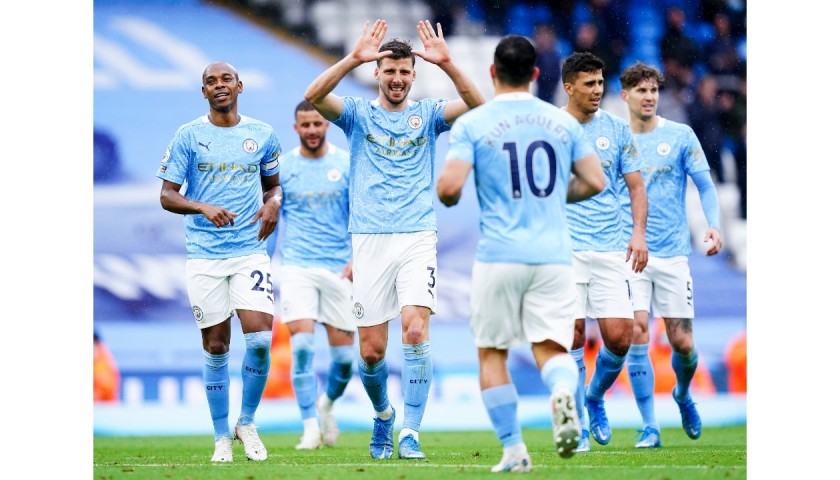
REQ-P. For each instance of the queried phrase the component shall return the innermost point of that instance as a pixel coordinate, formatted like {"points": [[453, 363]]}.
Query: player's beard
{"points": [[312, 150], [589, 109], [398, 102]]}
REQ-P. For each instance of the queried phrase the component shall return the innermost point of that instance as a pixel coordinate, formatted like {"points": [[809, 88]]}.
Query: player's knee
{"points": [[641, 333], [683, 345], [414, 320], [415, 331], [372, 358], [618, 341], [618, 347], [414, 336], [216, 346], [371, 355]]}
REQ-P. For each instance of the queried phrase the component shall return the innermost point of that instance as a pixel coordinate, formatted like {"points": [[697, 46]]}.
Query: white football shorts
{"points": [[514, 303], [316, 293], [217, 288], [603, 285], [390, 271], [666, 284]]}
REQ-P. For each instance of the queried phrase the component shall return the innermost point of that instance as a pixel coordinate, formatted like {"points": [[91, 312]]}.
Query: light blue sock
{"points": [[375, 380], [416, 380], [254, 373], [217, 386], [607, 367], [583, 415], [341, 370], [640, 371], [303, 376], [684, 368], [501, 403], [560, 371]]}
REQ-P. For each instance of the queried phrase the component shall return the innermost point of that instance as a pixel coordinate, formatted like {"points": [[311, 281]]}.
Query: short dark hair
{"points": [[399, 49], [638, 72], [515, 58], [580, 62], [303, 106]]}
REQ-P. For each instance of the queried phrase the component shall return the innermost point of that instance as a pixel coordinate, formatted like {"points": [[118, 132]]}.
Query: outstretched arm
{"points": [[437, 52], [319, 93], [638, 207]]}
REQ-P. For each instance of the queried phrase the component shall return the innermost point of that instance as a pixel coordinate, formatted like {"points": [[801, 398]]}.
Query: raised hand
{"points": [[436, 50], [367, 46]]}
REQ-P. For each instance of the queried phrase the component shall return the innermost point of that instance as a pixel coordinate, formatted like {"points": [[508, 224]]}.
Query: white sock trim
{"points": [[407, 431], [385, 414]]}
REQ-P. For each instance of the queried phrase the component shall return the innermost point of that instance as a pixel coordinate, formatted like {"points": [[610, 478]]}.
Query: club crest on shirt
{"points": [[663, 149], [415, 121], [249, 145], [602, 142], [197, 313], [358, 310], [334, 175], [163, 162]]}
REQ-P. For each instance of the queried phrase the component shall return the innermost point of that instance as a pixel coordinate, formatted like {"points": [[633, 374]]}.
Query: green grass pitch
{"points": [[721, 453]]}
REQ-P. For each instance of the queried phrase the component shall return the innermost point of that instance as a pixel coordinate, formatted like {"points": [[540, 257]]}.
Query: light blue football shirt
{"points": [[222, 166], [669, 153], [392, 164], [596, 223], [522, 150], [316, 209]]}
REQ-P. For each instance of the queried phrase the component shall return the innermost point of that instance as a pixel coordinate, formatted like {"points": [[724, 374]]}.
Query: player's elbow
{"points": [[586, 188], [168, 201], [309, 96], [165, 200], [599, 184], [316, 96], [472, 97], [448, 193], [596, 182], [449, 200]]}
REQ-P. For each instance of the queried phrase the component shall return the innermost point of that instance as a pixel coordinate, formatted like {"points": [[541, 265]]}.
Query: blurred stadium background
{"points": [[148, 59]]}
